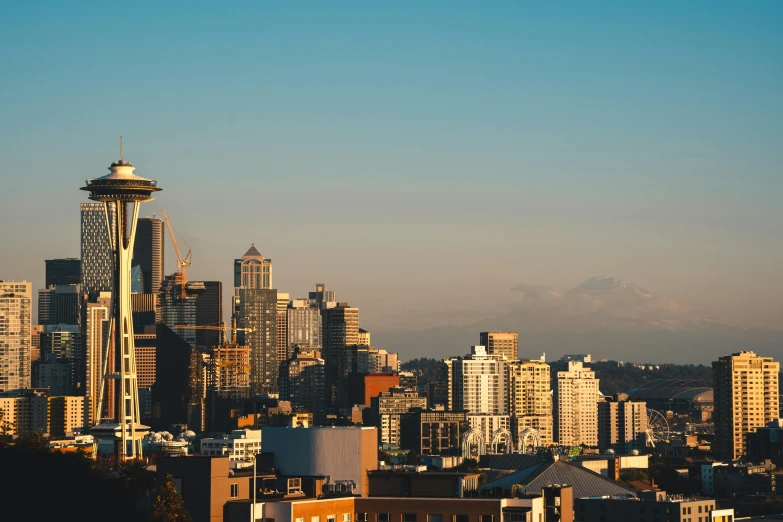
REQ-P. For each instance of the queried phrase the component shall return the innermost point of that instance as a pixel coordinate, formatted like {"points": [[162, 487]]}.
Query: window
{"points": [[331, 518], [409, 517], [300, 519], [383, 517], [346, 517], [434, 517], [315, 519], [488, 518], [460, 518], [361, 517], [234, 490]]}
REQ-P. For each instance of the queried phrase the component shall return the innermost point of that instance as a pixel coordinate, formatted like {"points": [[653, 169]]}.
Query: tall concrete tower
{"points": [[121, 191]]}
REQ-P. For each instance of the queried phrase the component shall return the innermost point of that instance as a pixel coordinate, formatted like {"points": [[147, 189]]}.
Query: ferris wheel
{"points": [[657, 427]]}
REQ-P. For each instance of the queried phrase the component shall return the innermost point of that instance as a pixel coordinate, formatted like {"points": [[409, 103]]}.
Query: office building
{"points": [[145, 308], [95, 339], [433, 432], [35, 342], [16, 303], [178, 310], [322, 298], [479, 382], [622, 424], [282, 326], [252, 271], [364, 337], [255, 310], [301, 381], [209, 312], [96, 249], [340, 330], [369, 359], [66, 271], [303, 321], [148, 253], [501, 343], [746, 398], [576, 406], [240, 445], [59, 304], [54, 375], [530, 398], [388, 407]]}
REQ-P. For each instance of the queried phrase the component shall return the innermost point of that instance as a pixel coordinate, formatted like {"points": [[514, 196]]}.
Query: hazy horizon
{"points": [[441, 168]]}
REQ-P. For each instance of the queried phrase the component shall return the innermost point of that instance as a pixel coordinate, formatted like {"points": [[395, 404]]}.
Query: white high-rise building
{"points": [[576, 406], [304, 325], [479, 382], [16, 306], [530, 398]]}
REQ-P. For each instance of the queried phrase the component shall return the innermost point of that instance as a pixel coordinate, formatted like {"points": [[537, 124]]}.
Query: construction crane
{"points": [[182, 264], [222, 328]]}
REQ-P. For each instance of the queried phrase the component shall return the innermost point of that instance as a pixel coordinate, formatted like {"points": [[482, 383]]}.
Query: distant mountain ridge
{"points": [[605, 316]]}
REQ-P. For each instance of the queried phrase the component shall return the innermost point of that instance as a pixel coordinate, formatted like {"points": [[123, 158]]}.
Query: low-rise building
{"points": [[240, 445], [650, 505]]}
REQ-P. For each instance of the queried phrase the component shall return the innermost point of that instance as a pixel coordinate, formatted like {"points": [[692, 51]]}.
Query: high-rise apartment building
{"points": [[501, 343], [364, 337], [302, 382], [282, 326], [96, 249], [66, 271], [389, 406], [746, 398], [621, 423], [148, 253], [59, 304], [340, 330], [530, 398], [96, 336], [479, 382], [252, 271], [303, 321], [255, 310], [576, 406], [16, 304]]}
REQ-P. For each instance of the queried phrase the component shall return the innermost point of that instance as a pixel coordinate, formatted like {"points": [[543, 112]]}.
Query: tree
{"points": [[169, 506], [137, 480]]}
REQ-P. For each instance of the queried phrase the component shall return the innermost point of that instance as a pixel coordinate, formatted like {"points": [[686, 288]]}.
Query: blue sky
{"points": [[414, 155]]}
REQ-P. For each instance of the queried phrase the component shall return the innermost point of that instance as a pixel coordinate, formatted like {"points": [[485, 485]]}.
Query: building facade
{"points": [[746, 398], [256, 317], [96, 250], [501, 343], [148, 253], [389, 406], [66, 271], [530, 398], [16, 304], [340, 330], [576, 406], [621, 423], [479, 382], [252, 270], [303, 321]]}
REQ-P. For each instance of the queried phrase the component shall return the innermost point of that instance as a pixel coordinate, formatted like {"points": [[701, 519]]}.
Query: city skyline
{"points": [[433, 207]]}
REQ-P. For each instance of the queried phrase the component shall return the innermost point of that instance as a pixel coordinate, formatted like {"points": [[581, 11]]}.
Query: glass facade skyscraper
{"points": [[96, 249]]}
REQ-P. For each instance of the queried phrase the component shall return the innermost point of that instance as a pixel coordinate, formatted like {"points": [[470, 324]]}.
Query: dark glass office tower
{"points": [[148, 253], [209, 312], [66, 271], [256, 315]]}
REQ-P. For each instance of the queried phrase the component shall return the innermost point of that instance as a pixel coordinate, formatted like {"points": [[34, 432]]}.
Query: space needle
{"points": [[121, 192]]}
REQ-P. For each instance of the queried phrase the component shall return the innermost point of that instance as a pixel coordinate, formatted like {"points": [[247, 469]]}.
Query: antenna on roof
{"points": [[120, 147]]}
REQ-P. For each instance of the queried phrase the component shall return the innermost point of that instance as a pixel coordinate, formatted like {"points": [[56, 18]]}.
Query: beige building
{"points": [[16, 308], [530, 398], [746, 398], [96, 331], [364, 337], [621, 423], [576, 406], [282, 326], [389, 406], [35, 412], [501, 343]]}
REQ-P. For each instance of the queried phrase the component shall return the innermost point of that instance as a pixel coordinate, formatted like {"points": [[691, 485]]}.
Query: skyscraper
{"points": [[340, 327], [304, 325], [501, 343], [322, 298], [63, 343], [530, 398], [209, 312], [576, 406], [59, 304], [66, 271], [148, 253], [620, 423], [255, 310], [96, 247], [96, 337], [746, 398], [252, 270], [479, 382], [282, 326], [16, 304]]}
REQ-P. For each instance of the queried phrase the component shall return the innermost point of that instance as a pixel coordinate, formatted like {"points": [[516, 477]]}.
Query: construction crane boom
{"points": [[182, 264], [214, 327]]}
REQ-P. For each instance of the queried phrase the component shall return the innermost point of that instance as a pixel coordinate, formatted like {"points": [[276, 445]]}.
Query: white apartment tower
{"points": [[530, 398], [478, 382], [16, 305], [576, 406]]}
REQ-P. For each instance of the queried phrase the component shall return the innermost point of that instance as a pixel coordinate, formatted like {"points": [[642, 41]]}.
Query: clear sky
{"points": [[421, 158]]}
